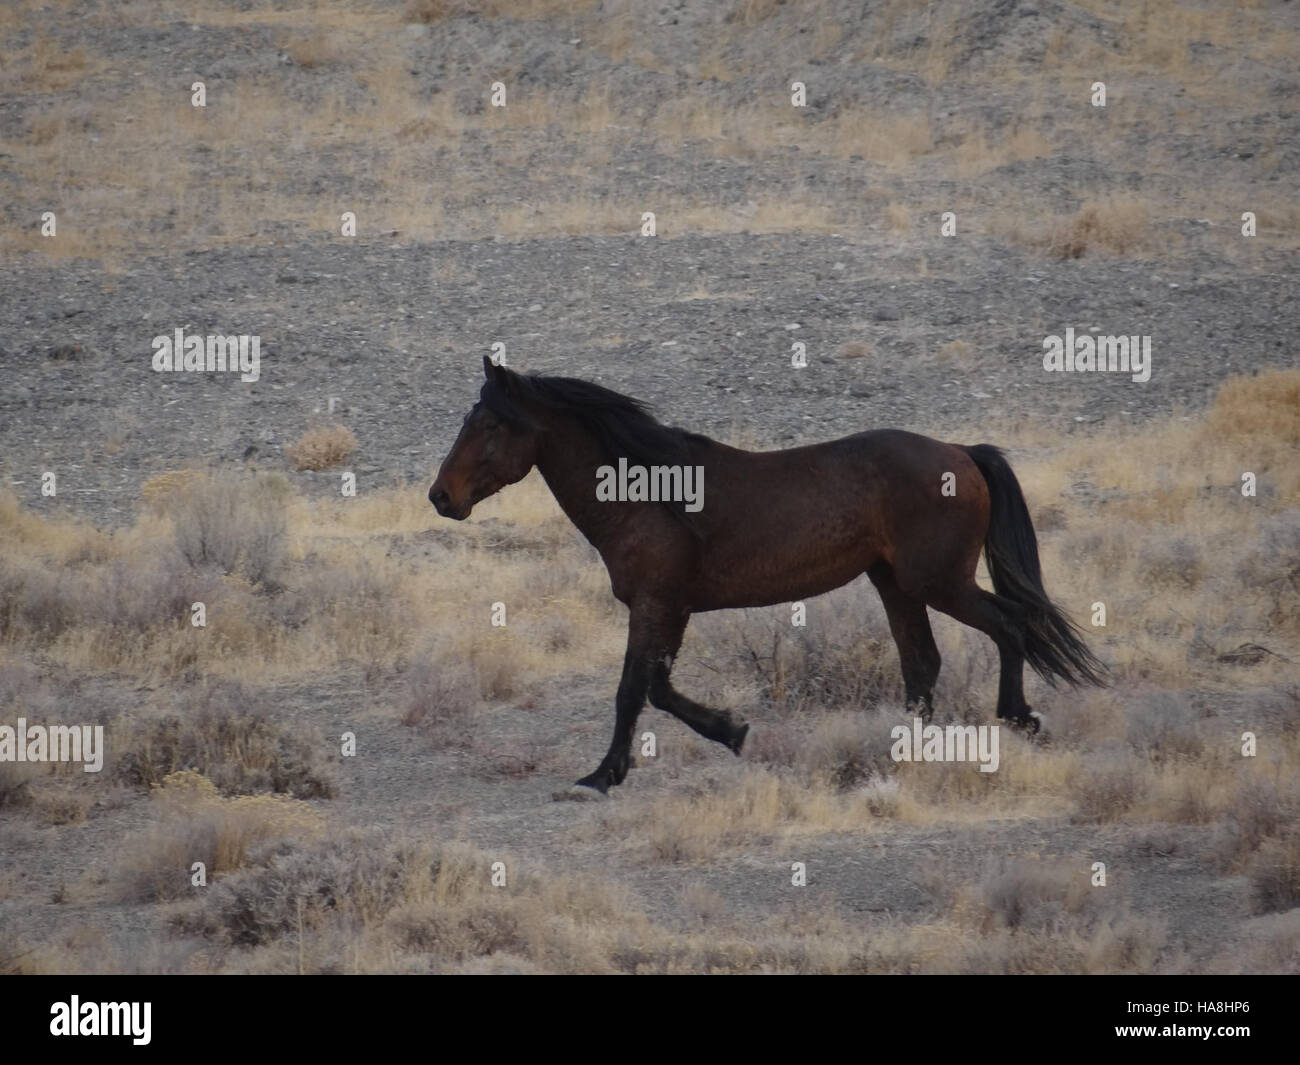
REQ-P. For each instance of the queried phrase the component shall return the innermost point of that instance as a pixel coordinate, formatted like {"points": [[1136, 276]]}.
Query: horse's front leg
{"points": [[648, 633]]}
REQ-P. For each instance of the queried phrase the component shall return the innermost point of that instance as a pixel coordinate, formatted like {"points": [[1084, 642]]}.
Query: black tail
{"points": [[1053, 644]]}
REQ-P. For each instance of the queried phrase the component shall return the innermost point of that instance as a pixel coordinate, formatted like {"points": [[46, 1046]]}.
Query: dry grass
{"points": [[361, 904], [382, 134], [196, 825], [287, 584], [322, 447], [229, 734], [235, 528], [1108, 226]]}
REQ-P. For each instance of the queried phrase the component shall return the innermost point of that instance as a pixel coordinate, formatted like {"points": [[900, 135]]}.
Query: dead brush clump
{"points": [[1028, 894], [1275, 586], [1261, 406], [321, 447], [230, 734], [26, 532], [195, 824], [842, 658], [1264, 806], [37, 602], [1175, 561], [162, 490], [357, 605], [1042, 915], [1118, 943], [233, 526], [298, 886], [1167, 729], [442, 695], [115, 606], [369, 903], [1111, 226], [848, 750]]}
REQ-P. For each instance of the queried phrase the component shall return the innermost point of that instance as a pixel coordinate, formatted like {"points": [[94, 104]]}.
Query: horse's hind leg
{"points": [[910, 626], [1004, 623]]}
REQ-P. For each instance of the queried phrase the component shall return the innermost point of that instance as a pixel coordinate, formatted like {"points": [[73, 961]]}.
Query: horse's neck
{"points": [[567, 458]]}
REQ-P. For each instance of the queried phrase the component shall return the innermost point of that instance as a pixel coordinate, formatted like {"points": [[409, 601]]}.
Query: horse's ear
{"points": [[497, 374]]}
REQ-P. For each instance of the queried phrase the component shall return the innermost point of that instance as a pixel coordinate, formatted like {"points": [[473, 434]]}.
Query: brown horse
{"points": [[911, 513]]}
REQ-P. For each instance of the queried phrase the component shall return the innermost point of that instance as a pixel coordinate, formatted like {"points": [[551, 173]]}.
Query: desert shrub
{"points": [[433, 900], [1261, 810], [847, 750], [321, 447], [137, 596], [441, 696], [1271, 568], [1114, 226], [233, 526], [295, 884], [161, 491], [37, 601], [1262, 406], [1027, 894], [229, 735], [842, 658], [195, 824]]}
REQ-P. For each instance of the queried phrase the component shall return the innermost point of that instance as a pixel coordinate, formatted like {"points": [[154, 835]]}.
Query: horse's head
{"points": [[497, 446]]}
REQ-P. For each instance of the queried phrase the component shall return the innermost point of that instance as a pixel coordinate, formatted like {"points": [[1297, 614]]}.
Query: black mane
{"points": [[621, 425]]}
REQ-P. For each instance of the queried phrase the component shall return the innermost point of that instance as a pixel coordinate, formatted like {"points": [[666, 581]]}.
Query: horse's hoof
{"points": [[579, 793], [1031, 721], [597, 781], [738, 739]]}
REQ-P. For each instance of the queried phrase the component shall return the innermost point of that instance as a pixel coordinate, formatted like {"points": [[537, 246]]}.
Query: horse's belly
{"points": [[785, 573]]}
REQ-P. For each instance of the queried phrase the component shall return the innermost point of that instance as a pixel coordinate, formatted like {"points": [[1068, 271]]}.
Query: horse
{"points": [[769, 527]]}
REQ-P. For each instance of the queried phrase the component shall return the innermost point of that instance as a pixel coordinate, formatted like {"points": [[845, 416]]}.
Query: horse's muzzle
{"points": [[442, 504]]}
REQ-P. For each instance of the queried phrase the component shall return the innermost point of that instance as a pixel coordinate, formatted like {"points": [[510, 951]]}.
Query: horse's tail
{"points": [[1053, 644]]}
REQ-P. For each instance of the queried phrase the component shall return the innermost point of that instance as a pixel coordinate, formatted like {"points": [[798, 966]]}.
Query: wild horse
{"points": [[911, 513]]}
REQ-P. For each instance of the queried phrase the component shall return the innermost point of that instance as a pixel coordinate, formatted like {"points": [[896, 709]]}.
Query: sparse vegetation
{"points": [[195, 824], [322, 447], [243, 619]]}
